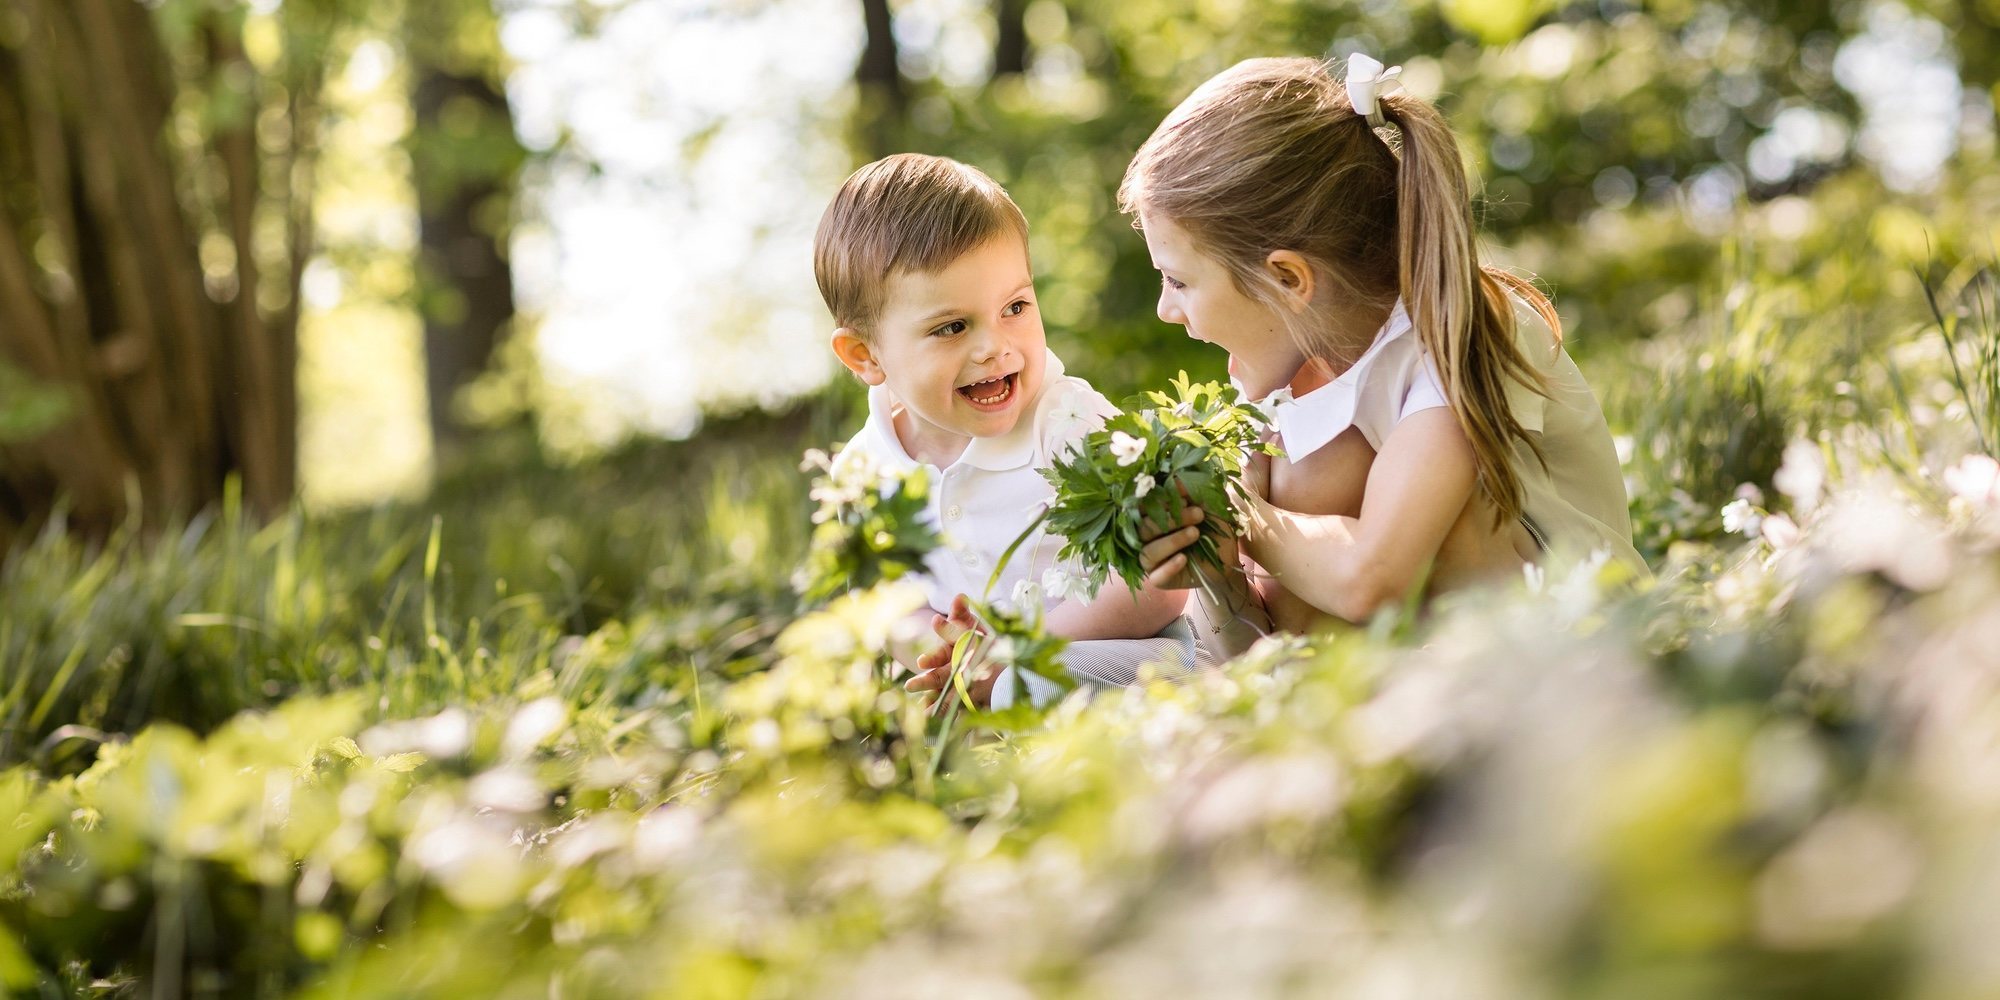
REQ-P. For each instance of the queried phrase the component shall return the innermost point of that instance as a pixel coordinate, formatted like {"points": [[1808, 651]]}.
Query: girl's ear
{"points": [[1295, 276], [856, 355]]}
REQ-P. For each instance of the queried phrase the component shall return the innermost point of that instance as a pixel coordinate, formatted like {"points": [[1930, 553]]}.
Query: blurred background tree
{"points": [[156, 184], [465, 163]]}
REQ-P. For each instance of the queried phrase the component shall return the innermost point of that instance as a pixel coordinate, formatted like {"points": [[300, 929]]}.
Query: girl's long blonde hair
{"points": [[1270, 155]]}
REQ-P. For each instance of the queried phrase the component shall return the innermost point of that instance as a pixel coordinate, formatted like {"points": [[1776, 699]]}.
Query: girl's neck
{"points": [[1350, 333]]}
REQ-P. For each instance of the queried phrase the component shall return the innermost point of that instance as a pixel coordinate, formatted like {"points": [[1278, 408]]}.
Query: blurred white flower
{"points": [[1976, 480], [1026, 595], [1779, 532], [506, 789], [1750, 492], [533, 724], [1062, 585], [1740, 517], [445, 734], [1875, 530], [815, 458], [1004, 650], [1145, 484], [1802, 475]]}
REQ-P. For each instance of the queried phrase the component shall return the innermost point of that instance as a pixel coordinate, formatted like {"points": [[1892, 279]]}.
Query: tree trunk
{"points": [[879, 114], [466, 161], [1010, 39], [176, 379]]}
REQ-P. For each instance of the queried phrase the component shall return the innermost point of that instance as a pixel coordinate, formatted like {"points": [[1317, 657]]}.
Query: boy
{"points": [[923, 262]]}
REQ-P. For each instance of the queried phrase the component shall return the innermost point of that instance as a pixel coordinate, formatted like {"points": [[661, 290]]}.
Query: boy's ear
{"points": [[1295, 276], [856, 355]]}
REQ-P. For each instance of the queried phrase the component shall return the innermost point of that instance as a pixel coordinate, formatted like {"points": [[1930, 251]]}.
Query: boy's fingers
{"points": [[1192, 514], [1164, 576], [1156, 551], [929, 680]]}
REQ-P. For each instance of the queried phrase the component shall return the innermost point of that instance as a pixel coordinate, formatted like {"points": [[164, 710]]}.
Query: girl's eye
{"points": [[1017, 307], [952, 328], [1173, 283]]}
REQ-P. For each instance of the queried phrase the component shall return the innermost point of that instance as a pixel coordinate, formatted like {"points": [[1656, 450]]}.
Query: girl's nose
{"points": [[1170, 311]]}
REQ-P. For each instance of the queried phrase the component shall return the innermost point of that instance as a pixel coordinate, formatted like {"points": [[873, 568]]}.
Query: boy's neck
{"points": [[928, 444]]}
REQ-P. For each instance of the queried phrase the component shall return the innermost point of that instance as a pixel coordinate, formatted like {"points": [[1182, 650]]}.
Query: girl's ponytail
{"points": [[1460, 309]]}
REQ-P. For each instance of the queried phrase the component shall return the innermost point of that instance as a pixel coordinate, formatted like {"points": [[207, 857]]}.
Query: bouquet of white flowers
{"points": [[1148, 464]]}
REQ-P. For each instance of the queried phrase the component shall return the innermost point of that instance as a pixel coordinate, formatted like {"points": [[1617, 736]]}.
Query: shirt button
{"points": [[953, 512]]}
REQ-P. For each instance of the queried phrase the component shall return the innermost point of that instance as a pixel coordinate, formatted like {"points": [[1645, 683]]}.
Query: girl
{"points": [[1436, 432]]}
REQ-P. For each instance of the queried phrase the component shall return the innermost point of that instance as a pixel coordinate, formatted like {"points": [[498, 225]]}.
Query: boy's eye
{"points": [[1017, 307], [952, 328]]}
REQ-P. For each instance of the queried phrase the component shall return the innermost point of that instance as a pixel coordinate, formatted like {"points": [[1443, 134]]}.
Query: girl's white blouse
{"points": [[1577, 503]]}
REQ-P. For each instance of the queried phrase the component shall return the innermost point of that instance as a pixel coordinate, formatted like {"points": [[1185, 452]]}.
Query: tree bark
{"points": [[879, 114], [1010, 38], [177, 377], [464, 202]]}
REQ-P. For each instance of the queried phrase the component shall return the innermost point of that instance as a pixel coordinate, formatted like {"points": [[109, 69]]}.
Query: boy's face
{"points": [[962, 348]]}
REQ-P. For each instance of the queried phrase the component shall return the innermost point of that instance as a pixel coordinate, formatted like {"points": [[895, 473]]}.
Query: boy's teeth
{"points": [[993, 390]]}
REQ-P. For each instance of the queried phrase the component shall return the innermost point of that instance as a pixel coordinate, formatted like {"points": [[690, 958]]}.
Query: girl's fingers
{"points": [[929, 680], [1163, 576]]}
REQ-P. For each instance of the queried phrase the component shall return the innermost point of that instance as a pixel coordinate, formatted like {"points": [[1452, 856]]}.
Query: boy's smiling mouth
{"points": [[992, 393]]}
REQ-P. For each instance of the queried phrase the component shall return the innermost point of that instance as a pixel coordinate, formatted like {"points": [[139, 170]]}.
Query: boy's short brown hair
{"points": [[908, 212]]}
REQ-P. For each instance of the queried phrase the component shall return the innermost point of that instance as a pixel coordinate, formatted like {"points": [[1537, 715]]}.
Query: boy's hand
{"points": [[1165, 556], [934, 667]]}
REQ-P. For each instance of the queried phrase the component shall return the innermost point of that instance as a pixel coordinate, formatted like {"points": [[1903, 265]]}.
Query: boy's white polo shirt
{"points": [[980, 502], [1577, 503]]}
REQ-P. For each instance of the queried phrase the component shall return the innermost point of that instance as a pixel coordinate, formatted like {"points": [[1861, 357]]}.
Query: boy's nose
{"points": [[989, 346]]}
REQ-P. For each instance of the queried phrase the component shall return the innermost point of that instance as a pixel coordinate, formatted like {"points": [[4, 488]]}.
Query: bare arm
{"points": [[1118, 613], [1350, 567]]}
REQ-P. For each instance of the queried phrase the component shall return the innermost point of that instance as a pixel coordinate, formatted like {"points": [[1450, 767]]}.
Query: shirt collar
{"points": [[1305, 423], [1011, 450]]}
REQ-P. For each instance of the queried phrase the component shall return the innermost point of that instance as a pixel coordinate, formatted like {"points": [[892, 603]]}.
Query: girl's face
{"points": [[1198, 293]]}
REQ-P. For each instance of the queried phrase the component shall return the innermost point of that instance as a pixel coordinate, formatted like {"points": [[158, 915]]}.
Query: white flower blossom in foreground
{"points": [[1975, 480], [1802, 475], [1145, 484], [1128, 448], [1780, 532], [1740, 518]]}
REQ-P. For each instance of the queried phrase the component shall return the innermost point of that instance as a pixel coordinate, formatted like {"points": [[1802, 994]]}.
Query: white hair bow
{"points": [[1366, 82]]}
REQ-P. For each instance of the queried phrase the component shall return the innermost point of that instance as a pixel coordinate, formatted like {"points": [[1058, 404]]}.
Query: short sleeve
{"points": [[1425, 392], [1071, 410]]}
